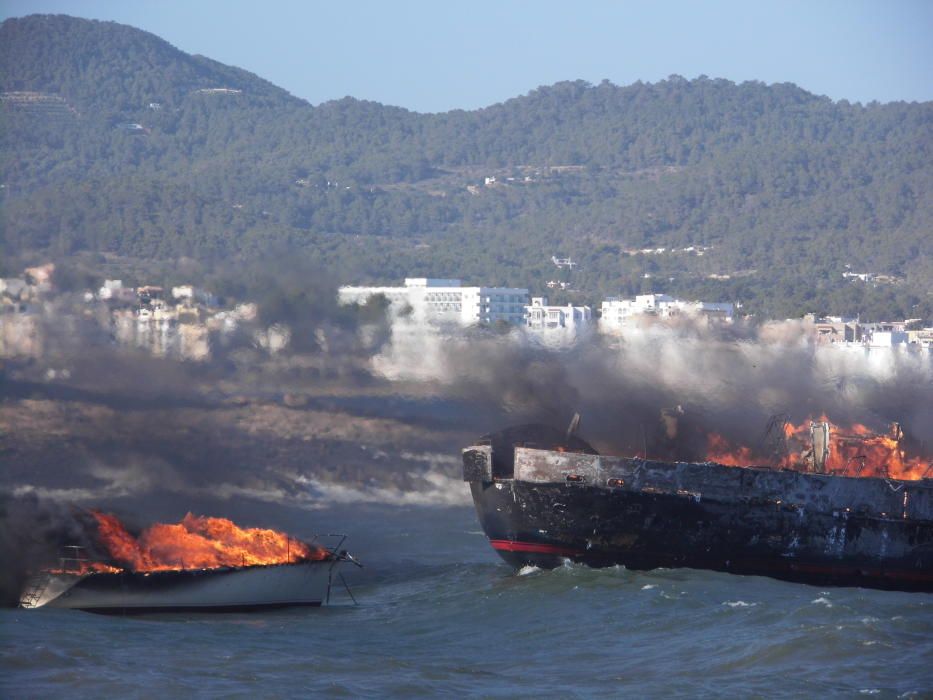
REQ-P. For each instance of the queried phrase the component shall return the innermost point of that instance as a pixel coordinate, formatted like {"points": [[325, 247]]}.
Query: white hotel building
{"points": [[539, 316], [617, 313], [430, 300]]}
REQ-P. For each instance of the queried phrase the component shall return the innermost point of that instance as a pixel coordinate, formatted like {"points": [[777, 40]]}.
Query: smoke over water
{"points": [[730, 381]]}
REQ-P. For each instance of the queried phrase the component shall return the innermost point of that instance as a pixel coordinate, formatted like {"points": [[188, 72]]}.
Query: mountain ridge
{"points": [[32, 42], [772, 177]]}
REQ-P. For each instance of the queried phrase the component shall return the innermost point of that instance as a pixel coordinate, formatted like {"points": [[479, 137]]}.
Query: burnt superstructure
{"points": [[543, 496]]}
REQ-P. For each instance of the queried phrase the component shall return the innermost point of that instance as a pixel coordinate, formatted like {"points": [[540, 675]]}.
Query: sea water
{"points": [[439, 614]]}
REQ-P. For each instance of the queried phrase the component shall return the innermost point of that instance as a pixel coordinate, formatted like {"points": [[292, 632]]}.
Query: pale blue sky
{"points": [[439, 55]]}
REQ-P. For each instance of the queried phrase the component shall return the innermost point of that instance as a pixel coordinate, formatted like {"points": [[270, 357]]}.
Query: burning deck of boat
{"points": [[306, 583], [541, 506]]}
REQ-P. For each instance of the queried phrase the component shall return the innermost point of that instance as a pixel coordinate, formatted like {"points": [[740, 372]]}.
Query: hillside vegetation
{"points": [[114, 141]]}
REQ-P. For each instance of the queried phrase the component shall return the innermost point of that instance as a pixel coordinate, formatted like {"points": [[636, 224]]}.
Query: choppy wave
{"points": [[441, 615]]}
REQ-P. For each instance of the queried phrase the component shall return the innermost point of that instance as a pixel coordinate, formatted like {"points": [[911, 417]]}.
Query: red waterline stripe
{"points": [[536, 547]]}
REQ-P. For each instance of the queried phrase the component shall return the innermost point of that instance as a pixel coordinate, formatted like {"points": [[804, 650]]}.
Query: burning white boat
{"points": [[227, 589], [198, 564]]}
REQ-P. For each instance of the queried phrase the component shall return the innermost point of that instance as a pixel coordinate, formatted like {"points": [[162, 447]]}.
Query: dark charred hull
{"points": [[544, 524]]}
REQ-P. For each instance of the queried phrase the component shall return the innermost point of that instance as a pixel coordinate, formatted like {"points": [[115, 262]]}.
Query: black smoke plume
{"points": [[732, 380]]}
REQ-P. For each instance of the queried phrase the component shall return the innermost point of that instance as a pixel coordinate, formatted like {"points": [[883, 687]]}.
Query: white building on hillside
{"points": [[430, 300], [887, 339], [189, 294], [569, 319], [617, 313], [115, 291]]}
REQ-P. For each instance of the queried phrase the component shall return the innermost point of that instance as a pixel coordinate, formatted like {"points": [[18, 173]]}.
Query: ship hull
{"points": [[542, 507], [206, 590], [547, 525]]}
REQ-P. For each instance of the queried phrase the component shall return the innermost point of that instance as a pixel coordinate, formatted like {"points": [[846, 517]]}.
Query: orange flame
{"points": [[82, 567], [199, 542], [720, 451], [855, 450]]}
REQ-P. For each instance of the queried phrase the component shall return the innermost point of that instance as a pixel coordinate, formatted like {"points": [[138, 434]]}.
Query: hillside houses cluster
{"points": [[182, 321], [20, 332], [439, 301], [177, 322], [174, 322], [436, 301], [617, 314], [845, 331]]}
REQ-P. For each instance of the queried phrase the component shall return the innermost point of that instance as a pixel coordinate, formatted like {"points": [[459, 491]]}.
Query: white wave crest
{"points": [[438, 490]]}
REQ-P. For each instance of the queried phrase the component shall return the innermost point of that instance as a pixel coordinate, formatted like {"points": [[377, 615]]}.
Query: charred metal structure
{"points": [[544, 496]]}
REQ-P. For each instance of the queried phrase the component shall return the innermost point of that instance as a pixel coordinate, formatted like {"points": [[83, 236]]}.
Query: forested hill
{"points": [[115, 141], [109, 67]]}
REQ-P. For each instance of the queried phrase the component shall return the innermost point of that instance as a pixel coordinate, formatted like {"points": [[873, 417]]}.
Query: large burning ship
{"points": [[199, 564], [835, 517]]}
